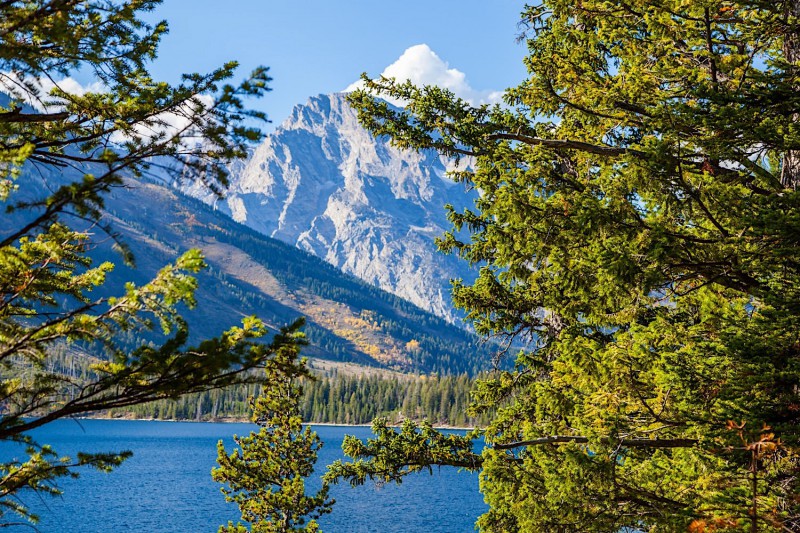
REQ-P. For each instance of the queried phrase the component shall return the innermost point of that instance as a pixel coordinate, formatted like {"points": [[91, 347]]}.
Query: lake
{"points": [[167, 487]]}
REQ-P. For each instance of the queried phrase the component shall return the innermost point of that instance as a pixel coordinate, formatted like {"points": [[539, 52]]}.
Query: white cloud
{"points": [[169, 123], [175, 122], [422, 66], [11, 84], [72, 86]]}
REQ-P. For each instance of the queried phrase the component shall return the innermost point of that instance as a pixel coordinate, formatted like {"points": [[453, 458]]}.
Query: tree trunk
{"points": [[754, 488], [790, 166]]}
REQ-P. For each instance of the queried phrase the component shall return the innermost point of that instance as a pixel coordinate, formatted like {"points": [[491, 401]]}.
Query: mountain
{"points": [[251, 274], [322, 183]]}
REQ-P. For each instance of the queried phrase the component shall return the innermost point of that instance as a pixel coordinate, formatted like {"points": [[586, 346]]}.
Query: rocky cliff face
{"points": [[324, 184]]}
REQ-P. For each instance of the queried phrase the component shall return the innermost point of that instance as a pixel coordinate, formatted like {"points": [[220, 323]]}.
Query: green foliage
{"points": [[359, 400], [124, 124], [637, 226], [392, 455], [49, 287], [266, 474], [41, 467], [337, 399]]}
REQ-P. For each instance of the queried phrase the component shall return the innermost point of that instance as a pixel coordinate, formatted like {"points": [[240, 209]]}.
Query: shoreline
{"points": [[248, 421]]}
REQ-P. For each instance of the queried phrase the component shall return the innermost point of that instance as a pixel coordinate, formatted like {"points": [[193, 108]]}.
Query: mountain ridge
{"points": [[322, 183]]}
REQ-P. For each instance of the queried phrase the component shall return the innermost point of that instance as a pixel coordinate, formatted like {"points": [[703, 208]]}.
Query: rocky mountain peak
{"points": [[322, 183]]}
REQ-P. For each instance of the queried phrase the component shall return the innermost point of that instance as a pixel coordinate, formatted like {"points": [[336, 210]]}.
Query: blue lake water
{"points": [[166, 486]]}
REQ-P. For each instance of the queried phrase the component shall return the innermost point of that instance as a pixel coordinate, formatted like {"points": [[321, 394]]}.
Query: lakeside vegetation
{"points": [[334, 399]]}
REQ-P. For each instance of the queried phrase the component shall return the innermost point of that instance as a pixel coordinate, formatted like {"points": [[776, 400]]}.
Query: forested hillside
{"points": [[250, 274], [347, 319]]}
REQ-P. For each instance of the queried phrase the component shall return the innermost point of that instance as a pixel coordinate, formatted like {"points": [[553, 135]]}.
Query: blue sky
{"points": [[321, 46]]}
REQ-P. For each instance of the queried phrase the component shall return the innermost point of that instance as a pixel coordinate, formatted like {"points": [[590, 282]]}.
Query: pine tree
{"points": [[265, 475], [90, 143], [637, 228]]}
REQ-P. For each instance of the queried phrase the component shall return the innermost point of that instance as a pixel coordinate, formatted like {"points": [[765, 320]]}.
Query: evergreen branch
{"points": [[17, 116], [625, 443], [566, 143]]}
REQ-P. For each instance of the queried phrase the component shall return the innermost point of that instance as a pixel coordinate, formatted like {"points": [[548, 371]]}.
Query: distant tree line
{"points": [[335, 399], [358, 400]]}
